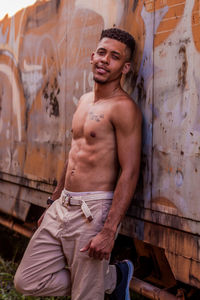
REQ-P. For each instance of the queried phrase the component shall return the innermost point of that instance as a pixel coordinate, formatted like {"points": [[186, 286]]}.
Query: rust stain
{"points": [[163, 201], [50, 94], [182, 72], [141, 90]]}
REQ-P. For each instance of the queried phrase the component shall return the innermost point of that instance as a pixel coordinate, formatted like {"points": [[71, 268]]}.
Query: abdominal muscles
{"points": [[92, 166]]}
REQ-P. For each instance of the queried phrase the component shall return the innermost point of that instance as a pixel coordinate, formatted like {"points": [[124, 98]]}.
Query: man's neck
{"points": [[106, 91]]}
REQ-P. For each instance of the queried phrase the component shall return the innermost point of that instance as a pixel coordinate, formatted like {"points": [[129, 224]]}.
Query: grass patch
{"points": [[7, 290]]}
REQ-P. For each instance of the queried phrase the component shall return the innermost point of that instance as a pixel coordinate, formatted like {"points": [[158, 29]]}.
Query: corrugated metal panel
{"points": [[12, 202]]}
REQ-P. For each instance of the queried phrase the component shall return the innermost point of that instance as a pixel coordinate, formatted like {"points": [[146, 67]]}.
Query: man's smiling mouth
{"points": [[102, 70]]}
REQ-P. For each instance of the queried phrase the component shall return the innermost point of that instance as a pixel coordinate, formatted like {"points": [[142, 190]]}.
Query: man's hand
{"points": [[101, 245]]}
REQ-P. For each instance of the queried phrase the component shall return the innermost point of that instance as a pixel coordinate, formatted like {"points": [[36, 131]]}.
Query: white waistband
{"points": [[81, 198], [88, 196]]}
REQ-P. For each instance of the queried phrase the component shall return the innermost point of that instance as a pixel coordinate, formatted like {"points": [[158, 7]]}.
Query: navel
{"points": [[93, 134]]}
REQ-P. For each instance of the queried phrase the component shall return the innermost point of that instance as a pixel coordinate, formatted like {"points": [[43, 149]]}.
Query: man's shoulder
{"points": [[87, 97], [84, 99], [125, 105]]}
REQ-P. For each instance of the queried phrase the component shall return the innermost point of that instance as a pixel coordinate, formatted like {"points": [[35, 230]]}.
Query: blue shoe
{"points": [[121, 292]]}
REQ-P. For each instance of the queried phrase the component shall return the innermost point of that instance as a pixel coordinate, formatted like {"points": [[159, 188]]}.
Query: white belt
{"points": [[69, 199]]}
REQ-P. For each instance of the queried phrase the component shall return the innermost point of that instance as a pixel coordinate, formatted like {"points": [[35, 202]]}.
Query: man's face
{"points": [[110, 61]]}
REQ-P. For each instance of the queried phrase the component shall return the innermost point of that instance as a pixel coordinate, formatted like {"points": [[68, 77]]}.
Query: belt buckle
{"points": [[66, 200]]}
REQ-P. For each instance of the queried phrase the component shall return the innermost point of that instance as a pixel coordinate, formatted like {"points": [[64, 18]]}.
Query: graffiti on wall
{"points": [[44, 68], [37, 52]]}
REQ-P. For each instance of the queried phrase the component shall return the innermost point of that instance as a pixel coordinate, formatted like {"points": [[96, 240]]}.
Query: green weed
{"points": [[7, 290]]}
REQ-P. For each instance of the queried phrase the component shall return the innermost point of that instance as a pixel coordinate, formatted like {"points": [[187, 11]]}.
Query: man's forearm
{"points": [[60, 186], [102, 244], [123, 194]]}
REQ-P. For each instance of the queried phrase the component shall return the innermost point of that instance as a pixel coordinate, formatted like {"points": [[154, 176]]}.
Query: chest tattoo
{"points": [[96, 117]]}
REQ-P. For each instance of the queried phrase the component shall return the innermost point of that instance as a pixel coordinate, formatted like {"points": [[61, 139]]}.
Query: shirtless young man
{"points": [[95, 190]]}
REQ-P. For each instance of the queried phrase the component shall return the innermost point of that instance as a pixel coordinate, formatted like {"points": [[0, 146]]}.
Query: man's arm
{"points": [[127, 123], [57, 192]]}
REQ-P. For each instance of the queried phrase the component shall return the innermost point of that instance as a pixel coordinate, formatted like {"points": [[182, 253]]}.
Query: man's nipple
{"points": [[93, 134]]}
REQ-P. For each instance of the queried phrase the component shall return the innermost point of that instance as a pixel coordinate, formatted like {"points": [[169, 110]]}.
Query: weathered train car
{"points": [[44, 69]]}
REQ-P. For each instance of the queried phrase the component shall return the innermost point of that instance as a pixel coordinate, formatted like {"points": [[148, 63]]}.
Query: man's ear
{"points": [[126, 67], [91, 59]]}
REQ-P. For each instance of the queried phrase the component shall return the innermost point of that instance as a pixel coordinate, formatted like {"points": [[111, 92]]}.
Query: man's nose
{"points": [[106, 59]]}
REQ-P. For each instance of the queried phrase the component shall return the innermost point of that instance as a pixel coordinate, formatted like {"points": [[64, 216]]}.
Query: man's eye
{"points": [[115, 57], [101, 52]]}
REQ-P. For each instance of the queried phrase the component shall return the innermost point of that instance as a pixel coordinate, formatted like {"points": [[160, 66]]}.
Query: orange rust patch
{"points": [[163, 201], [196, 24]]}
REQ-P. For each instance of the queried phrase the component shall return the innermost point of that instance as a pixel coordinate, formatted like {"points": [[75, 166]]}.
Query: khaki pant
{"points": [[55, 245]]}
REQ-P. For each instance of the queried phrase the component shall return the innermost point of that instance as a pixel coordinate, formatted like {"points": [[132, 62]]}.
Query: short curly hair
{"points": [[121, 36]]}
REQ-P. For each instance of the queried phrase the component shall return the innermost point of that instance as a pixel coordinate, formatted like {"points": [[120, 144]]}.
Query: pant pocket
{"points": [[106, 204]]}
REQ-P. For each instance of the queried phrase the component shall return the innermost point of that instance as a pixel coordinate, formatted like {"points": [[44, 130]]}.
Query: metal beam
{"points": [[16, 227], [150, 291]]}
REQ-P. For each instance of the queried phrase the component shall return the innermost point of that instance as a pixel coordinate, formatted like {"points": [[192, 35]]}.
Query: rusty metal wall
{"points": [[44, 69]]}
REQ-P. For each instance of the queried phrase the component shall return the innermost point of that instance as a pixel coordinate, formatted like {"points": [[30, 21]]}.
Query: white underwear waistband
{"points": [[88, 196]]}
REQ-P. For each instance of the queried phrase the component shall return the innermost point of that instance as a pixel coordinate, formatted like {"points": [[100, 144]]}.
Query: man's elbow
{"points": [[131, 175]]}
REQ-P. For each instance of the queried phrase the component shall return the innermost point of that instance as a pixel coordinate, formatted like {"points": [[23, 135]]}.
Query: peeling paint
{"points": [[182, 72], [50, 94]]}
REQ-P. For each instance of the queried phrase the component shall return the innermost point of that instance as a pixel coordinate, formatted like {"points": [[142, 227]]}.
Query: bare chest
{"points": [[92, 123]]}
